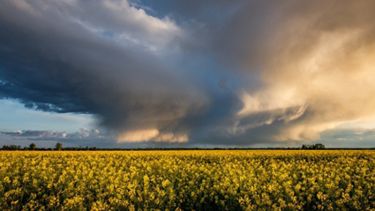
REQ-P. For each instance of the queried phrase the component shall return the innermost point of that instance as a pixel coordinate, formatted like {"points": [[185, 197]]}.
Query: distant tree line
{"points": [[11, 147], [59, 146], [32, 146], [313, 146]]}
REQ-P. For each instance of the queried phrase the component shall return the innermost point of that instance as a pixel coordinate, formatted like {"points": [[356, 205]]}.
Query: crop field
{"points": [[188, 180]]}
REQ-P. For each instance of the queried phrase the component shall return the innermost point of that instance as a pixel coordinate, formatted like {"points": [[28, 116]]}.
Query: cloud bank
{"points": [[214, 72]]}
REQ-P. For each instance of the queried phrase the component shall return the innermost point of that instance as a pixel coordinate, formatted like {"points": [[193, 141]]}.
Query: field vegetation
{"points": [[187, 180]]}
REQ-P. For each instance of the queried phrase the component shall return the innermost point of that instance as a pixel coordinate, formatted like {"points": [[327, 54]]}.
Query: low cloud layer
{"points": [[257, 73]]}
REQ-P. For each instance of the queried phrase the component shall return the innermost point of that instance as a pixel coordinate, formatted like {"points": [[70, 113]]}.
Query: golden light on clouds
{"points": [[330, 79], [151, 135]]}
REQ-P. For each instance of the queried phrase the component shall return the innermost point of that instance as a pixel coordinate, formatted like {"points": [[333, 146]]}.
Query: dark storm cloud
{"points": [[212, 72], [47, 58], [61, 56], [310, 61], [306, 63]]}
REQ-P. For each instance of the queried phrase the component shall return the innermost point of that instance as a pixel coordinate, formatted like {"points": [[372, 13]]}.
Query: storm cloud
{"points": [[213, 72]]}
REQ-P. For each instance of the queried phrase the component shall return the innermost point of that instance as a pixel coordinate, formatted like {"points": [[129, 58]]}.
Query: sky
{"points": [[135, 73]]}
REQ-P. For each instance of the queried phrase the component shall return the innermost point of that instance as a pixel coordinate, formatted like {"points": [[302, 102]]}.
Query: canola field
{"points": [[188, 180]]}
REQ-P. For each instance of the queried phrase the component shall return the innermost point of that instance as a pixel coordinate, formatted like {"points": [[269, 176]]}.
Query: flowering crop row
{"points": [[187, 180]]}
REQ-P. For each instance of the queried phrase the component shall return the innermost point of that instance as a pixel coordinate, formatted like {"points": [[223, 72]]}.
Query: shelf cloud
{"points": [[213, 72]]}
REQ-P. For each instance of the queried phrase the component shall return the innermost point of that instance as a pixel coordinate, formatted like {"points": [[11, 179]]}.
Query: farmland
{"points": [[188, 179]]}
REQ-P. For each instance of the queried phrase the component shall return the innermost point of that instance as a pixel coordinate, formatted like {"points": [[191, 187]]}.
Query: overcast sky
{"points": [[120, 73]]}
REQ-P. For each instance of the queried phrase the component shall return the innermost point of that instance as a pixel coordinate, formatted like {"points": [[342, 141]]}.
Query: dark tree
{"points": [[58, 146], [32, 146]]}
